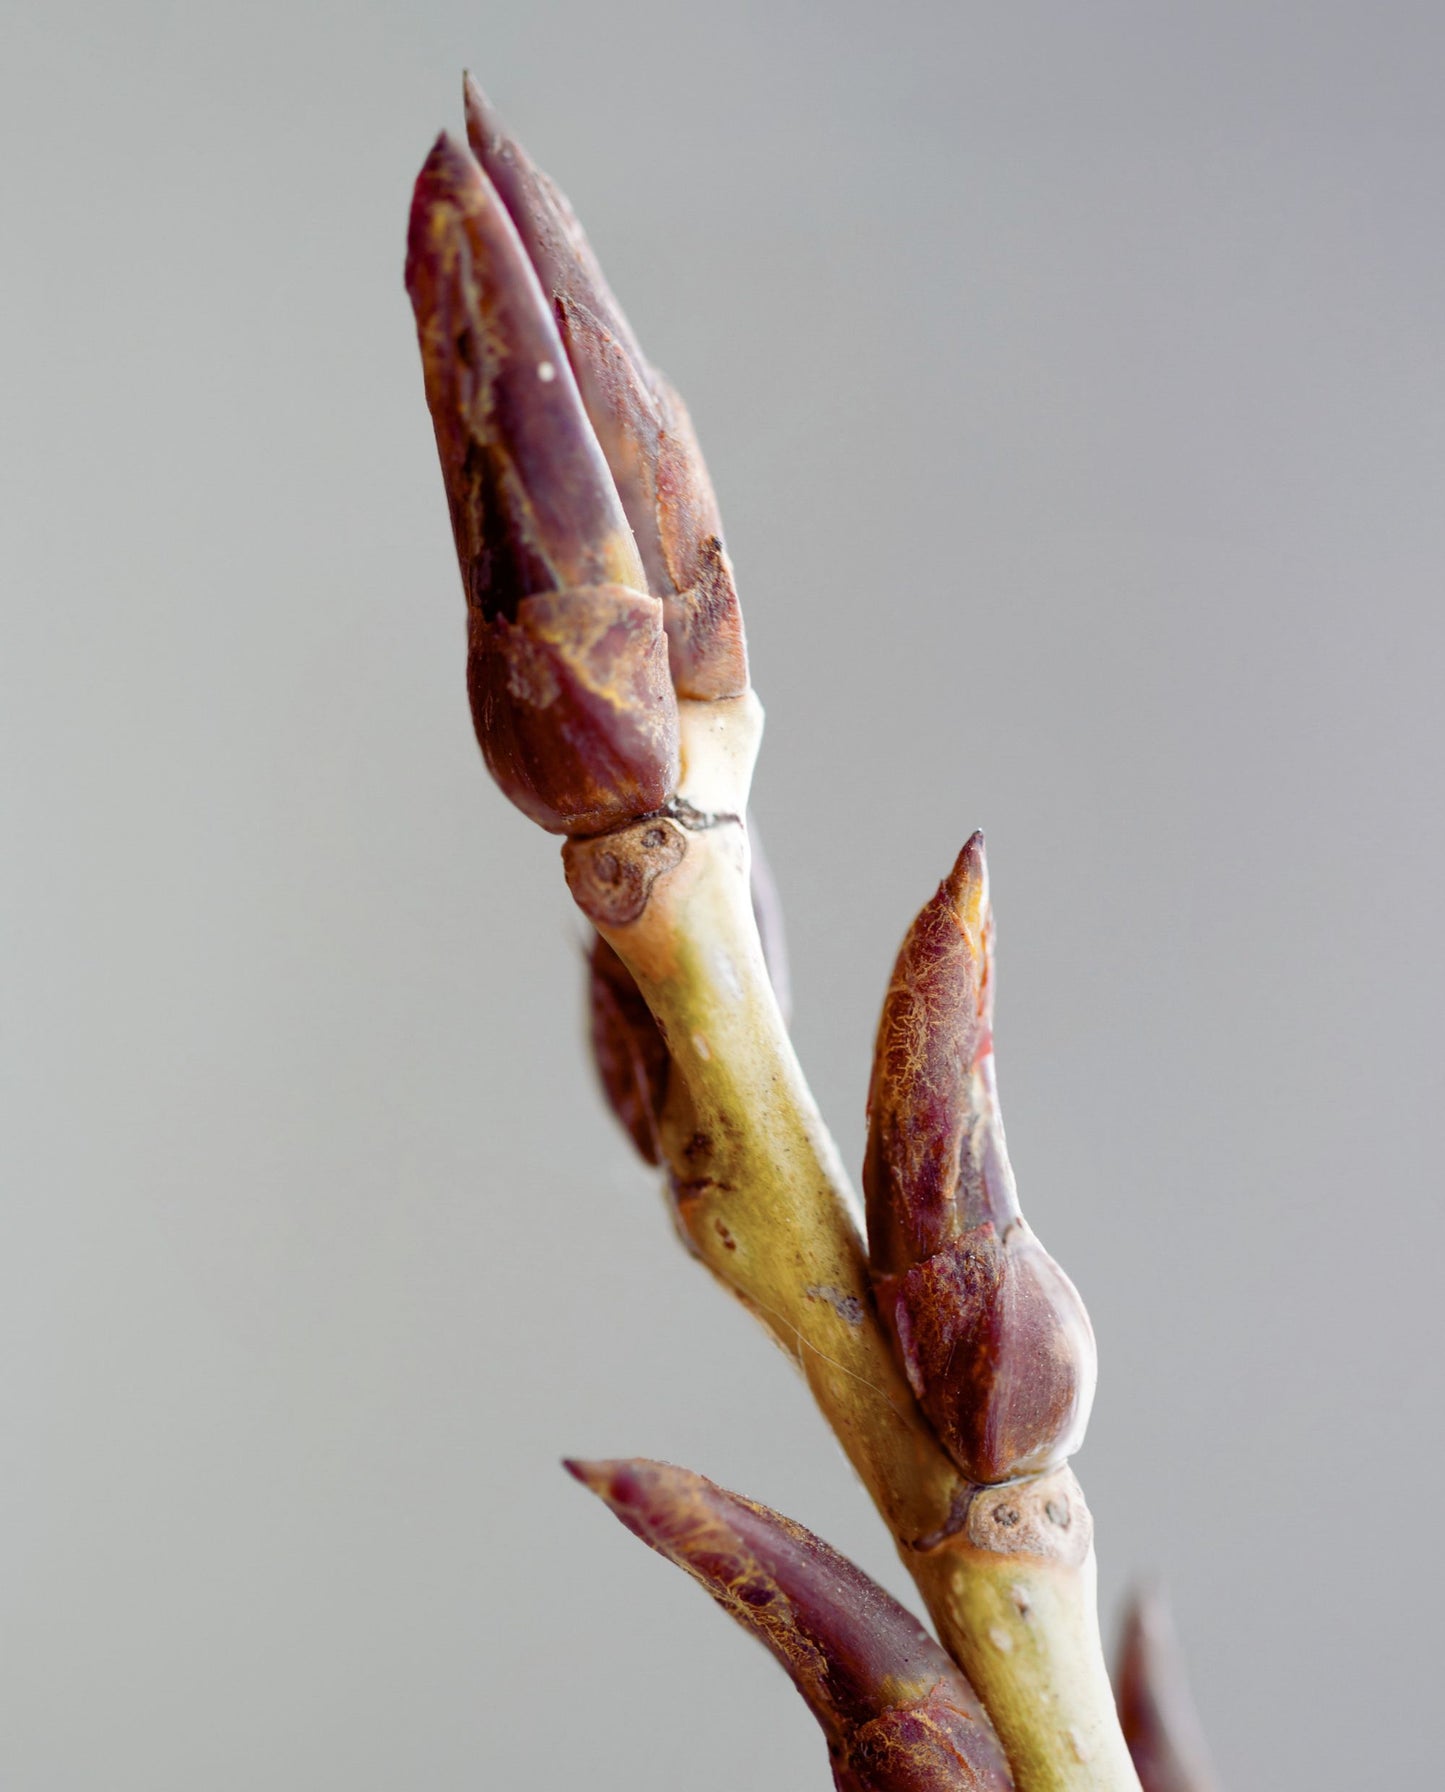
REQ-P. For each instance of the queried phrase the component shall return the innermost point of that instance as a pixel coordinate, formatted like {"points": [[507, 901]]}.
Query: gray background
{"points": [[1072, 380]]}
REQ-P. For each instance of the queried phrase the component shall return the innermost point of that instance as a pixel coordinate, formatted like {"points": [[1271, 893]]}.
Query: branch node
{"points": [[611, 875]]}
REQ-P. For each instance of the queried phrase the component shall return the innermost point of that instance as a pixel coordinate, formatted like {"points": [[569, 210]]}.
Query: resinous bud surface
{"points": [[640, 422], [567, 657], [991, 1333], [898, 1715]]}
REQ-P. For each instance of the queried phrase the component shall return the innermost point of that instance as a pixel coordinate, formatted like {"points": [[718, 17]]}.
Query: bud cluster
{"points": [[605, 646], [598, 589]]}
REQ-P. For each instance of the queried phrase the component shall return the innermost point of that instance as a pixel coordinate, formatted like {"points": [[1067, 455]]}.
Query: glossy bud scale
{"points": [[991, 1333], [898, 1715], [640, 422], [567, 656]]}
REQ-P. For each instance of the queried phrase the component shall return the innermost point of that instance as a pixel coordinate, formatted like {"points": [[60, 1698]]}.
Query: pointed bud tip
{"points": [[968, 896], [430, 190], [446, 181], [597, 1477], [448, 163], [484, 124], [1148, 1599], [1156, 1708], [969, 876], [1148, 1621]]}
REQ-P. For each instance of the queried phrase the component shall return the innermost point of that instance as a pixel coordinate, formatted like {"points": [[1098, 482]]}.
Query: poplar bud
{"points": [[567, 658], [1156, 1711], [897, 1714], [991, 1333], [641, 423], [628, 1049]]}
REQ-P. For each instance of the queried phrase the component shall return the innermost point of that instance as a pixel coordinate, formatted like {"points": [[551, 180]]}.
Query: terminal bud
{"points": [[567, 657], [641, 424]]}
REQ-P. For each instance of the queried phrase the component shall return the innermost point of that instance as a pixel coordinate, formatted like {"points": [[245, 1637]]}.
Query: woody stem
{"points": [[761, 1196]]}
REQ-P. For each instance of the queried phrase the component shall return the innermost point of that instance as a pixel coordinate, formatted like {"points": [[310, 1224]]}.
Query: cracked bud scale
{"points": [[991, 1333], [898, 1715], [567, 655], [641, 423]]}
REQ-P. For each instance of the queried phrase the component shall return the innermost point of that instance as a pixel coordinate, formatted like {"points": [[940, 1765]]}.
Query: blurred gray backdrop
{"points": [[1072, 381]]}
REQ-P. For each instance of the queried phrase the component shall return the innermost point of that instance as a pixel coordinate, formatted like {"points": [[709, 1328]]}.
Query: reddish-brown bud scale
{"points": [[567, 660], [628, 1048], [991, 1333], [998, 1348], [898, 1715], [571, 704], [1156, 1711], [927, 1747], [641, 423]]}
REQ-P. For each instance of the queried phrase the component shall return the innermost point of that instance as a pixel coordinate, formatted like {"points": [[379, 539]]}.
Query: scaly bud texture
{"points": [[641, 423], [897, 1714], [991, 1333], [567, 659], [1155, 1709]]}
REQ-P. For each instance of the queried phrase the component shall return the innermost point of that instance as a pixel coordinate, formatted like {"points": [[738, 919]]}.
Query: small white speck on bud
{"points": [[546, 372]]}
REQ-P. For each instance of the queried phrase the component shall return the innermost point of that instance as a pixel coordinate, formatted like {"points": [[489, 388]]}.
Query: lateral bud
{"points": [[897, 1714], [991, 1333], [631, 1055], [1156, 1712]]}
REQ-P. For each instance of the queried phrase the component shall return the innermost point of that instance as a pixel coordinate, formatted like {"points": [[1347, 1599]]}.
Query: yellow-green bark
{"points": [[763, 1200]]}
